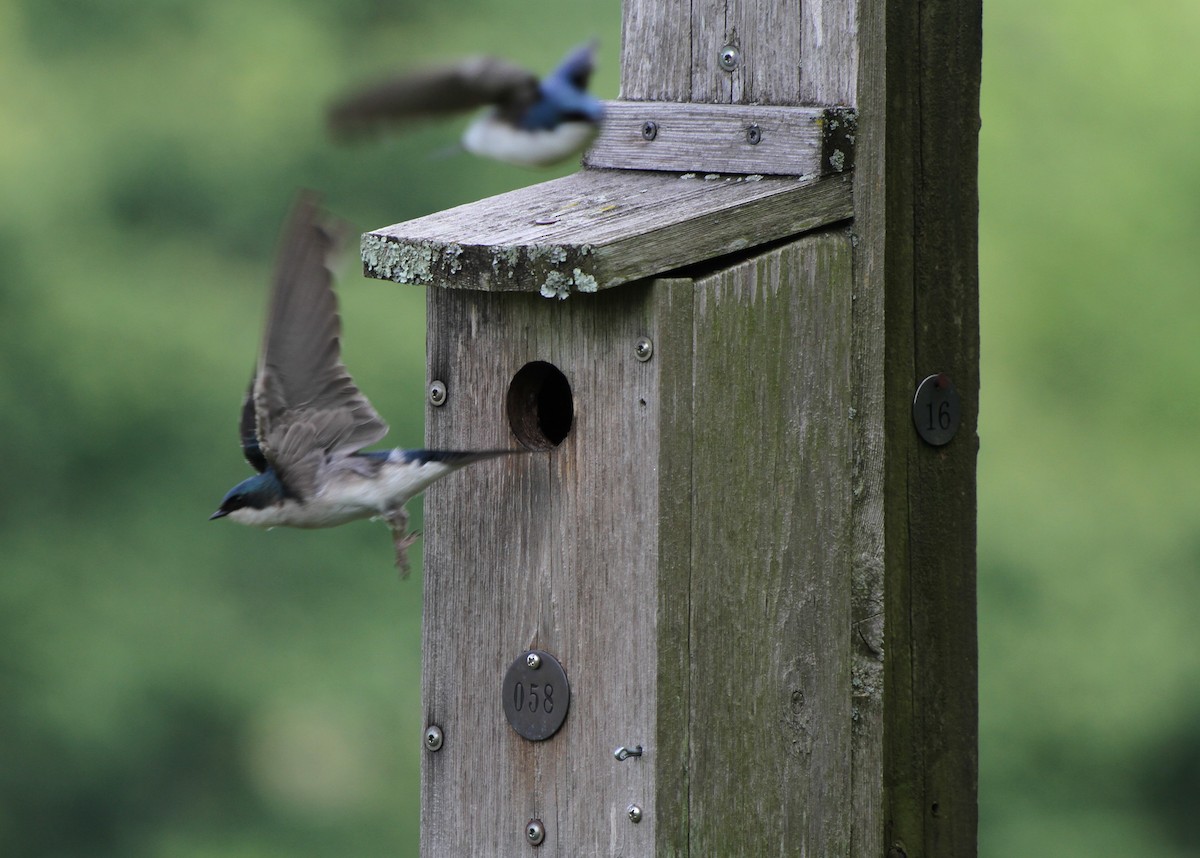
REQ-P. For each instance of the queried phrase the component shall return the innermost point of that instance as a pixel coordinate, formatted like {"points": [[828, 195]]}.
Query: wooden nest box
{"points": [[727, 607]]}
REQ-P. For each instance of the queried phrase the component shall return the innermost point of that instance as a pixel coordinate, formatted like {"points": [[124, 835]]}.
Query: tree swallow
{"points": [[531, 123], [304, 421]]}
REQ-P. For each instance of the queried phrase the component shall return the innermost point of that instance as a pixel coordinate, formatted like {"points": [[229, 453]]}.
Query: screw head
{"points": [[535, 832], [729, 58], [437, 393], [533, 661], [643, 349], [753, 135], [649, 130], [433, 738], [635, 813]]}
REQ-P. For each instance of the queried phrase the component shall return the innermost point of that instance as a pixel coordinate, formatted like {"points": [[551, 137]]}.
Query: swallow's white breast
{"points": [[491, 138], [347, 495]]}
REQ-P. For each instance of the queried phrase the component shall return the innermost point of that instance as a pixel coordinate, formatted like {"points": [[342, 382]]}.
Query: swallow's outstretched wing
{"points": [[307, 410], [472, 83], [248, 429]]}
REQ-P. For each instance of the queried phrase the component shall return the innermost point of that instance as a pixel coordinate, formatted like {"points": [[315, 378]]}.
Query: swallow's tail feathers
{"points": [[456, 458], [578, 65]]}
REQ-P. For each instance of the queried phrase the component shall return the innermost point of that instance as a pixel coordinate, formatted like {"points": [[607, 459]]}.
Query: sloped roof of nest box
{"points": [[599, 228]]}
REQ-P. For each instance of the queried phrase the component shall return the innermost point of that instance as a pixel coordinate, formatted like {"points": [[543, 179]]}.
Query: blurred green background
{"points": [[170, 687]]}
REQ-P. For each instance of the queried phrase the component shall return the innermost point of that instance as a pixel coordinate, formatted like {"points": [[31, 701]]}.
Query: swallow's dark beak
{"points": [[218, 514]]}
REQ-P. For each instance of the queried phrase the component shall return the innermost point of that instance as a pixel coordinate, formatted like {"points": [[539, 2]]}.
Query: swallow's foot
{"points": [[398, 522]]}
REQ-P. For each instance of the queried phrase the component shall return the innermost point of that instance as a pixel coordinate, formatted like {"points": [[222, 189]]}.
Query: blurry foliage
{"points": [[1089, 513], [174, 687]]}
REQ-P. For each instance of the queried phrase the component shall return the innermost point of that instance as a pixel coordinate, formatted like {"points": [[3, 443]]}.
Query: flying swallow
{"points": [[305, 423], [530, 123]]}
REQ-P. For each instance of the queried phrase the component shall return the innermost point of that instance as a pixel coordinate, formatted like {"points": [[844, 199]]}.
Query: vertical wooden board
{"points": [[710, 31], [673, 349], [771, 576], [555, 550], [656, 57], [942, 491], [770, 35], [791, 52], [829, 52], [916, 212], [882, 365]]}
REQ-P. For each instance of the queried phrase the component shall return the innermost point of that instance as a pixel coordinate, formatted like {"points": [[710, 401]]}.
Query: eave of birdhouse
{"points": [[665, 186]]}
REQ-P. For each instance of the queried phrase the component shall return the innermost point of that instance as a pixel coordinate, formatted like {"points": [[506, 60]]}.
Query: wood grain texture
{"points": [[792, 52], [829, 42], [942, 491], [656, 50], [599, 228], [563, 551], [771, 565], [710, 138], [917, 283]]}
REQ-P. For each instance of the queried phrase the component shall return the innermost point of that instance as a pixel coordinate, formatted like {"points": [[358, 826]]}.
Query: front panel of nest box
{"points": [[543, 567]]}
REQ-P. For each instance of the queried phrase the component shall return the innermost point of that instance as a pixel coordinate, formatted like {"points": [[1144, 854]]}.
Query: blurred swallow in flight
{"points": [[304, 422], [529, 123]]}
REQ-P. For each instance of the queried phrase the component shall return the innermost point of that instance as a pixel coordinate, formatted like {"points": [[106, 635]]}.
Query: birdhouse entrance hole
{"points": [[539, 404]]}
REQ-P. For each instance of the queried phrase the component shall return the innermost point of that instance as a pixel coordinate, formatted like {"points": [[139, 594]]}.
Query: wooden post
{"points": [[732, 537]]}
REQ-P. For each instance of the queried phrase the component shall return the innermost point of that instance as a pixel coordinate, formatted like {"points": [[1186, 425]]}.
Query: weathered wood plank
{"points": [[673, 349], [917, 313], [599, 228], [709, 35], [942, 491], [829, 52], [878, 524], [575, 551], [726, 138], [656, 56], [771, 565], [788, 52], [770, 37]]}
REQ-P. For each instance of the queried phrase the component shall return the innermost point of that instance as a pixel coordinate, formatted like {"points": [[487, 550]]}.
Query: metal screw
{"points": [[533, 661], [649, 130], [535, 832], [729, 58], [433, 738], [635, 813], [622, 753], [643, 349], [753, 135], [437, 393]]}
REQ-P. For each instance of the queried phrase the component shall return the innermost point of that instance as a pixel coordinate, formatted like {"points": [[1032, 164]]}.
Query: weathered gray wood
{"points": [[712, 138], [741, 671], [771, 566], [599, 228], [917, 312], [829, 52], [791, 52], [579, 551], [656, 50]]}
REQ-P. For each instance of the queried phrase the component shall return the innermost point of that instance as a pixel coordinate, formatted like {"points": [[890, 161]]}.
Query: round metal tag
{"points": [[536, 695], [937, 409]]}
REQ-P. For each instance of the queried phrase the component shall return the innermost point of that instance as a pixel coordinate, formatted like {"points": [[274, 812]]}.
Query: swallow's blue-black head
{"points": [[257, 492]]}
